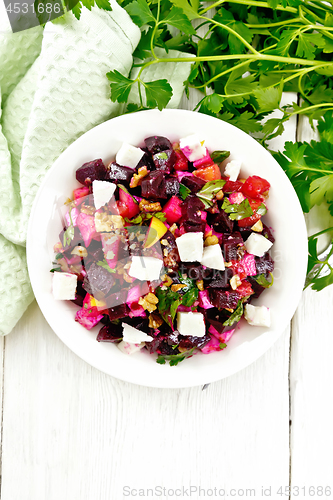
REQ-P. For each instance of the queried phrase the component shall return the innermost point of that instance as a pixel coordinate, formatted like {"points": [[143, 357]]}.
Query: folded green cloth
{"points": [[54, 88]]}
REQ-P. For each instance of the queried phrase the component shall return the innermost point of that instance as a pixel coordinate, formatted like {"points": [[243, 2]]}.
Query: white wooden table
{"points": [[70, 432]]}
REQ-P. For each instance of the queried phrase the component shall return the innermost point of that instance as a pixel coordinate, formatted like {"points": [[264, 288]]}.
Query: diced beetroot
{"points": [[203, 215], [181, 163], [117, 312], [172, 209], [236, 197], [193, 183], [137, 311], [213, 345], [98, 282], [171, 186], [74, 216], [128, 200], [181, 175], [249, 264], [222, 223], [118, 173], [80, 192], [133, 295], [157, 143], [224, 299], [222, 337], [87, 321], [86, 225], [110, 333], [204, 300], [91, 171], [165, 160], [205, 161], [153, 186], [255, 186], [110, 243]]}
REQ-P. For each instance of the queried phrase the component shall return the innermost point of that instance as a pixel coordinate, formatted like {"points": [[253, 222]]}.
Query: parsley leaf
{"points": [[236, 315], [320, 272], [261, 280], [209, 190], [120, 86], [219, 156], [189, 7], [178, 19], [166, 299], [184, 191], [174, 359], [190, 297], [105, 265], [77, 8], [237, 211], [158, 93], [140, 12]]}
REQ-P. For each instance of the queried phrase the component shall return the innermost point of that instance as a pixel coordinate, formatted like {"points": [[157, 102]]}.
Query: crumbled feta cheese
{"points": [[232, 170], [103, 192], [192, 147], [134, 336], [257, 315], [190, 247], [128, 348], [64, 286], [191, 323], [212, 257], [257, 244], [128, 155], [145, 268]]}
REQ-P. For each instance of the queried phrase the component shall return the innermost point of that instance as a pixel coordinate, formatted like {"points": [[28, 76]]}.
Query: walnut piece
{"points": [[175, 288], [200, 284], [211, 240], [235, 282], [149, 302], [155, 320], [136, 179], [105, 223], [147, 206]]}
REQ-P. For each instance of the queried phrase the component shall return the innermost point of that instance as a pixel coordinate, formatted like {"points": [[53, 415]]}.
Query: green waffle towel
{"points": [[53, 88]]}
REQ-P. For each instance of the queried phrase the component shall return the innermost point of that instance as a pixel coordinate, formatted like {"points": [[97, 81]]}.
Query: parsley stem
{"points": [[272, 25], [250, 2], [233, 32], [305, 110], [321, 232], [216, 77]]}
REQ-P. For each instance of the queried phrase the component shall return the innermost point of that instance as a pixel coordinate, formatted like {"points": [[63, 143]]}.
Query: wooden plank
{"points": [[311, 376], [73, 432]]}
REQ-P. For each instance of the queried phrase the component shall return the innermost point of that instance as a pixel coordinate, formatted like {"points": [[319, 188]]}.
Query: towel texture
{"points": [[53, 88]]}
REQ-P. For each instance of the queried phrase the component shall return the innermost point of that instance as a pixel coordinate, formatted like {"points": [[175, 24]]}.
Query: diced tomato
{"points": [[245, 289], [123, 209], [249, 221], [181, 161], [210, 173], [255, 186], [232, 186]]}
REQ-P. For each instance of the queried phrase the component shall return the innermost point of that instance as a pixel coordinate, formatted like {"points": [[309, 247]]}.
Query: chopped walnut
{"points": [[106, 222], [165, 243], [146, 206], [200, 284], [173, 228], [211, 240], [219, 195], [257, 227], [80, 251], [88, 210], [155, 320], [175, 288], [235, 282], [149, 302], [126, 277], [136, 179], [228, 264], [167, 281]]}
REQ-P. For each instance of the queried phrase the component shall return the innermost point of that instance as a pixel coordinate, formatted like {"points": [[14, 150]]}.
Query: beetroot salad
{"points": [[165, 248]]}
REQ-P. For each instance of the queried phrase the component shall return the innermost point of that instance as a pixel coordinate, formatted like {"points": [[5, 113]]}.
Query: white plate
{"points": [[284, 216]]}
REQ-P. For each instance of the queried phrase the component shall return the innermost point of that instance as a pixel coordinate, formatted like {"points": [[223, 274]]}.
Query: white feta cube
{"points": [[192, 147], [190, 247], [232, 170], [128, 348], [103, 192], [128, 155], [191, 323], [212, 257], [257, 244], [257, 315], [134, 336], [64, 286], [145, 268]]}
